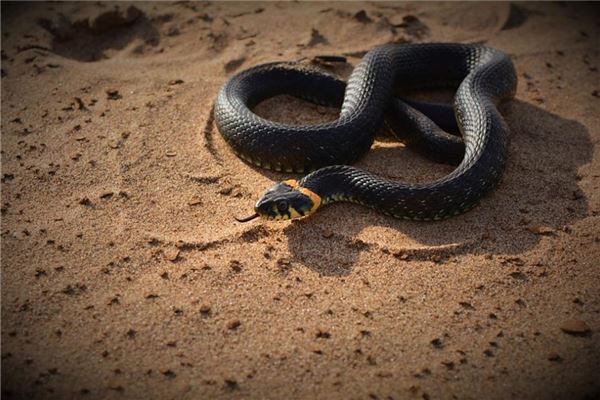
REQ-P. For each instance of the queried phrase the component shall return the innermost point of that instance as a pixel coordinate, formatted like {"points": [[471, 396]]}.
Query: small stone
{"points": [[231, 384], [437, 343], [554, 357], [518, 276], [233, 325], [80, 105], [362, 17], [235, 266], [575, 327], [168, 373], [172, 254], [171, 153], [175, 82], [540, 229], [327, 233], [412, 25], [205, 309], [225, 191], [283, 261], [323, 334], [40, 272], [194, 201], [448, 364], [113, 94]]}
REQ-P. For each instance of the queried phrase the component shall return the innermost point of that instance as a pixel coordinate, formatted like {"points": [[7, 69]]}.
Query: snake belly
{"points": [[483, 76]]}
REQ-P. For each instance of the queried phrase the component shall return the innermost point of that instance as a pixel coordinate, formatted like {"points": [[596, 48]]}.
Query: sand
{"points": [[124, 274]]}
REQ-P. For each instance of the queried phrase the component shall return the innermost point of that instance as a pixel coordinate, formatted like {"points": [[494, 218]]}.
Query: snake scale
{"points": [[482, 77]]}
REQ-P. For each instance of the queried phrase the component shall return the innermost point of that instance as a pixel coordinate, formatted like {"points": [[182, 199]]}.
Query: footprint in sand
{"points": [[468, 23], [98, 33]]}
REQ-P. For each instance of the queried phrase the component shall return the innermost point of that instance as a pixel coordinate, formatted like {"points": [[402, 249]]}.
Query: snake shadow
{"points": [[539, 188]]}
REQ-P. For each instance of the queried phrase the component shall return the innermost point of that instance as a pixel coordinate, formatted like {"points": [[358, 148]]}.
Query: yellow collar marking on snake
{"points": [[292, 183], [315, 198]]}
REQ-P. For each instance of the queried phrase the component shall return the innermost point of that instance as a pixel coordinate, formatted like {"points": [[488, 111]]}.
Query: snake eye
{"points": [[282, 205]]}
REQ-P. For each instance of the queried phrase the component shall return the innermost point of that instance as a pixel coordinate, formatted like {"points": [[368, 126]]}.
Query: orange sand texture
{"points": [[124, 274]]}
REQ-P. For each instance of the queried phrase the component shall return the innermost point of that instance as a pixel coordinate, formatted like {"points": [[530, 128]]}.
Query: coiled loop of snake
{"points": [[483, 76]]}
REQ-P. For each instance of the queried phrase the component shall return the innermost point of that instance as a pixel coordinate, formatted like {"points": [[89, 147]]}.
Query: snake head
{"points": [[287, 200]]}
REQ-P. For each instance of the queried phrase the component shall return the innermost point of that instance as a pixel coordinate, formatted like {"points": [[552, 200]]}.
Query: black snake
{"points": [[482, 75]]}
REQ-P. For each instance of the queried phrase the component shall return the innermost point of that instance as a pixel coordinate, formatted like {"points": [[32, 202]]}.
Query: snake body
{"points": [[482, 75]]}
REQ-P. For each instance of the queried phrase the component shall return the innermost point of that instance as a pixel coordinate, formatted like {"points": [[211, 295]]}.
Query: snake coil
{"points": [[484, 76]]}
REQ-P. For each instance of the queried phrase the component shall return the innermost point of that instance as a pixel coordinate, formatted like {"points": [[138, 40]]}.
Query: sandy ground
{"points": [[124, 274]]}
